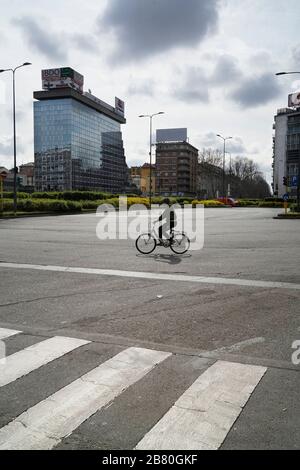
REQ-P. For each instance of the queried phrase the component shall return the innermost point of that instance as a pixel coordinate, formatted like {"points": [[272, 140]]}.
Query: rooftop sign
{"points": [[64, 77], [294, 100], [171, 135]]}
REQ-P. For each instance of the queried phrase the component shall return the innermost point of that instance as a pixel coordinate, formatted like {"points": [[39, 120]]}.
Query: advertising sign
{"points": [[119, 106], [171, 135], [294, 100], [62, 78]]}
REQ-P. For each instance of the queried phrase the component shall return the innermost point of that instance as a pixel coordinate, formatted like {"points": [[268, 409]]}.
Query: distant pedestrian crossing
{"points": [[208, 397]]}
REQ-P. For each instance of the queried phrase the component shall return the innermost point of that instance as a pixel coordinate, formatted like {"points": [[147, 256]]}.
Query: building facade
{"points": [[26, 174], [140, 176], [286, 151], [77, 141], [209, 181], [176, 169]]}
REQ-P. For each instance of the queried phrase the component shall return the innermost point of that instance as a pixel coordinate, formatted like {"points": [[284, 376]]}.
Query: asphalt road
{"points": [[198, 322]]}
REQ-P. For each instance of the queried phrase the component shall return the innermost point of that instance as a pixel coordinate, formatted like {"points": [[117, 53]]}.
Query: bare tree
{"points": [[211, 156], [244, 168]]}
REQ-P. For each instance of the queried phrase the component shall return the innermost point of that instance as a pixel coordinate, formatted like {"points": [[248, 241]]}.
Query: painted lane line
{"points": [[202, 417], [44, 425], [5, 333], [23, 362], [155, 276]]}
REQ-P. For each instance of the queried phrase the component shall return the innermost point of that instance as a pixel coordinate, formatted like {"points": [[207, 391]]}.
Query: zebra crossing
{"points": [[198, 415]]}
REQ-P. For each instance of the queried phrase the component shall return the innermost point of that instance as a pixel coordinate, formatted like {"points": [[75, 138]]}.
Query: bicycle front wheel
{"points": [[180, 243], [145, 243]]}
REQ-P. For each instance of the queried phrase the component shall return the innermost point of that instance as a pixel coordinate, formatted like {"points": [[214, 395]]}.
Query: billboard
{"points": [[171, 135], [119, 106], [294, 100], [64, 77]]}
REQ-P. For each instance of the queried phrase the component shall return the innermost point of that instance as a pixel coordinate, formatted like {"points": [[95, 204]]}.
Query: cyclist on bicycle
{"points": [[167, 222]]}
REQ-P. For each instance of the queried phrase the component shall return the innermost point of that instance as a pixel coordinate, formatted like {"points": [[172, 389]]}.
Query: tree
{"points": [[211, 156]]}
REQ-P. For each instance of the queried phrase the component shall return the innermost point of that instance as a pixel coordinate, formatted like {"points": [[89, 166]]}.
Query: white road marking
{"points": [[240, 345], [47, 423], [163, 277], [4, 333], [204, 414], [22, 362]]}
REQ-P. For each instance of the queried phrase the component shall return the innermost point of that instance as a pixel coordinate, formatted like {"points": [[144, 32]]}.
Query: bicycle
{"points": [[147, 242]]}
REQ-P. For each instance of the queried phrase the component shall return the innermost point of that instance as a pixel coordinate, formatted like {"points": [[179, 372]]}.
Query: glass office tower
{"points": [[77, 143]]}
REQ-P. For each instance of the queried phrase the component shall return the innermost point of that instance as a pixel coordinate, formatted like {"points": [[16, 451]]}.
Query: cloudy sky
{"points": [[208, 64]]}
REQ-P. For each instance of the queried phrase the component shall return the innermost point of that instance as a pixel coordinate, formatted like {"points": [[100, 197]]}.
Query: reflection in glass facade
{"points": [[293, 151], [77, 147]]}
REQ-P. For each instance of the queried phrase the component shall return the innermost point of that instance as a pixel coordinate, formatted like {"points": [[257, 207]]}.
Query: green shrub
{"points": [[91, 204], [247, 202], [208, 203], [42, 205], [273, 199], [270, 204], [72, 195], [294, 208], [20, 195]]}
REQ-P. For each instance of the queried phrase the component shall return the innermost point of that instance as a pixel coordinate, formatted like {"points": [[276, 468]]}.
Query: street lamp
{"points": [[14, 127], [285, 73], [224, 152], [150, 116], [298, 180], [230, 171]]}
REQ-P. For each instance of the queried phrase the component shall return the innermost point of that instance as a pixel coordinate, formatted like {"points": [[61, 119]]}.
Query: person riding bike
{"points": [[167, 222]]}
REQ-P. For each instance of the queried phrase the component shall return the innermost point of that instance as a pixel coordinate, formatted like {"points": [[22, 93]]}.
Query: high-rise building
{"points": [[77, 137], [176, 164], [286, 151]]}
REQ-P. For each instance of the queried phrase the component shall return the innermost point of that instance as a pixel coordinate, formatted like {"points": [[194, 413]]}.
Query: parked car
{"points": [[229, 201]]}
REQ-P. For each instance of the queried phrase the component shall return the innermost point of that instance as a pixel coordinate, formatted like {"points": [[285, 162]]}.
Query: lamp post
{"points": [[298, 179], [224, 152], [285, 73], [150, 116], [230, 172], [14, 128]]}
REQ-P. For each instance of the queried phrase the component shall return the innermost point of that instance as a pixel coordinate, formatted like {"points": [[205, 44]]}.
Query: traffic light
{"points": [[285, 181]]}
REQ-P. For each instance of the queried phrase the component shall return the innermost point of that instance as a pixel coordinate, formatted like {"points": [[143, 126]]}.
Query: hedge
{"points": [[42, 205], [270, 204], [208, 203], [20, 195], [247, 203], [294, 208], [72, 195]]}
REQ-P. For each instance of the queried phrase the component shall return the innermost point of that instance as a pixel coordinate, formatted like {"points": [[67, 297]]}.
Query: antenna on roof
{"points": [[90, 91]]}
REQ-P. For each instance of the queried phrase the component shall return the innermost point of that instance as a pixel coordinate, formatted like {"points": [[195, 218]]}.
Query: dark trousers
{"points": [[167, 225]]}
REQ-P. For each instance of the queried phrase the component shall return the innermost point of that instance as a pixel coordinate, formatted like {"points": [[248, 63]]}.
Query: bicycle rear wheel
{"points": [[145, 243], [180, 243]]}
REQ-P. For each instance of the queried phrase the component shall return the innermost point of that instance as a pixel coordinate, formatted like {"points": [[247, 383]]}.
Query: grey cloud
{"points": [[6, 147], [2, 38], [146, 27], [145, 88], [262, 59], [234, 146], [209, 139], [86, 42], [226, 71], [40, 38], [256, 91], [193, 87], [296, 55]]}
